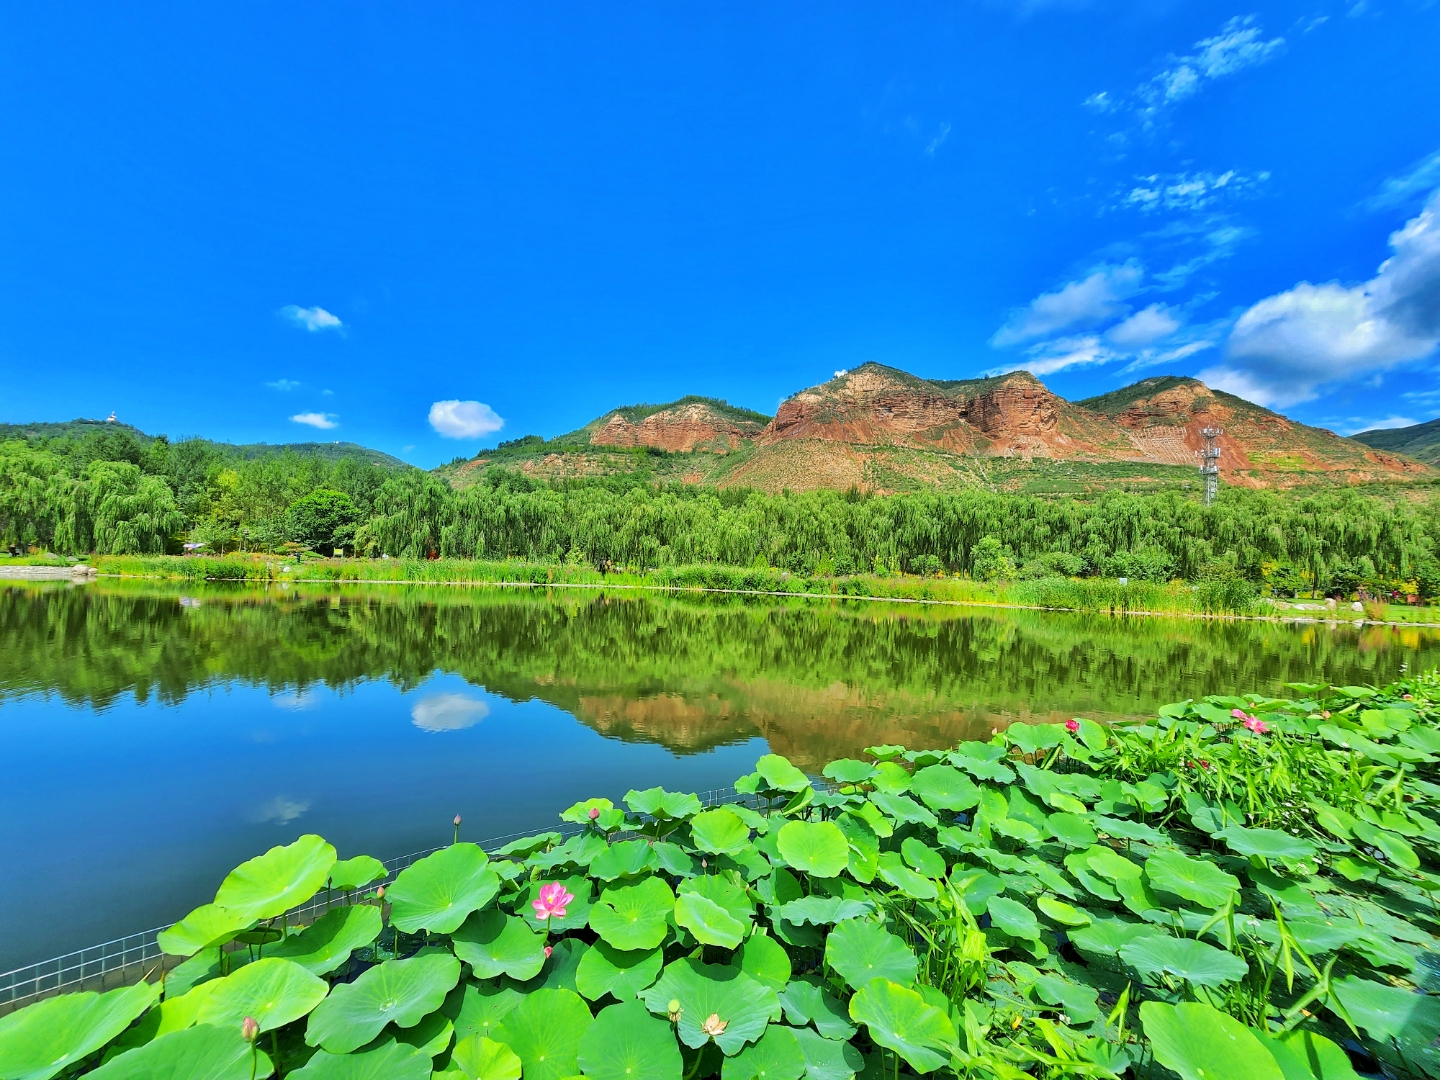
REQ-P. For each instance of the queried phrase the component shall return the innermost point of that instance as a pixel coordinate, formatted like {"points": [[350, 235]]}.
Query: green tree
{"points": [[323, 519]]}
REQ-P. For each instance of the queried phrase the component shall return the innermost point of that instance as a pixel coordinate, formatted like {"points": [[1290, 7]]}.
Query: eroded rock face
{"points": [[684, 428]]}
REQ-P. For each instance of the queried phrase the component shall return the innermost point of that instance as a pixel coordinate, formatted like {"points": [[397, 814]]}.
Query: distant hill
{"points": [[1419, 440]]}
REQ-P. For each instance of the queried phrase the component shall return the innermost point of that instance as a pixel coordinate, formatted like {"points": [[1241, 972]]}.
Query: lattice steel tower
{"points": [[1210, 463]]}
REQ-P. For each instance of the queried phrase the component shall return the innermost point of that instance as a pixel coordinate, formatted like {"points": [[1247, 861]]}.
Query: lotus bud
{"points": [[457, 819], [249, 1029], [548, 951], [704, 864], [380, 893], [714, 1026], [1072, 726], [674, 1009], [594, 813]]}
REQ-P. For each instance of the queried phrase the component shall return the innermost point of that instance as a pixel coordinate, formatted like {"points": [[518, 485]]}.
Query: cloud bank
{"points": [[464, 419], [312, 319]]}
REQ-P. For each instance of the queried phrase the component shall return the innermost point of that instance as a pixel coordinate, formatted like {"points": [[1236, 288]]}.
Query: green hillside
{"points": [[1419, 441]]}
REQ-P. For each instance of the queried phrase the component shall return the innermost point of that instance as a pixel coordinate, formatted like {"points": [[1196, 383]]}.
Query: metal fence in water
{"points": [[130, 959]]}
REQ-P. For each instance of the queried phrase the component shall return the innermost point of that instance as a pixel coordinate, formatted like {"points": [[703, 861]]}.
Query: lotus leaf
{"points": [[894, 871], [630, 917], [173, 1014], [1317, 1056], [403, 991], [1061, 912], [925, 859], [494, 943], [766, 961], [606, 970], [1016, 829], [1199, 882], [528, 845], [362, 870], [579, 814], [899, 1019], [1014, 918], [431, 1035], [478, 1007], [273, 991], [1184, 958], [577, 911], [817, 848], [823, 910], [806, 1002], [879, 824], [437, 893], [715, 910], [775, 1056], [1077, 1001], [1395, 848], [545, 1032], [1105, 937], [944, 787], [864, 846], [560, 967], [982, 768], [282, 878], [626, 1043], [742, 1005], [198, 1053], [903, 809], [673, 859], [204, 928], [1266, 843], [1130, 830], [719, 831], [480, 1058], [328, 942], [1387, 1013], [578, 850], [891, 776], [779, 774], [1032, 738], [46, 1038], [1202, 1043], [659, 803], [1072, 830], [629, 858], [860, 950], [828, 1059], [849, 771], [976, 887], [388, 1061]]}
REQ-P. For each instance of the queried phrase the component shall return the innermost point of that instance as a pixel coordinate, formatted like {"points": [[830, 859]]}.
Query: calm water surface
{"points": [[153, 737]]}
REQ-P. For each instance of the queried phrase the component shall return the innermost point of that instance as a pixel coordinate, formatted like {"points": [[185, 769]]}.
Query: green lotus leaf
{"points": [[43, 1039], [892, 777], [579, 814], [432, 1035], [1388, 1013], [719, 831], [675, 860], [902, 809], [437, 893], [545, 1032], [528, 845], [362, 870], [273, 991], [828, 1059], [778, 773], [630, 917], [885, 751], [944, 787], [197, 1053], [807, 1002], [402, 991], [977, 760], [824, 910], [894, 871], [1061, 912], [715, 910], [577, 851], [478, 1007], [776, 1055], [1396, 848], [388, 1061], [976, 887], [1072, 830], [1195, 880], [494, 943], [860, 950], [1016, 829], [279, 880], [1014, 918], [480, 1058], [629, 858], [1033, 738], [607, 970], [899, 1019], [925, 859], [626, 1043], [659, 803], [818, 848], [204, 928], [1202, 1043], [1184, 958], [1318, 1056], [560, 967], [864, 844], [577, 911], [1109, 863], [765, 960], [849, 771], [1077, 1001], [175, 1013], [1106, 937], [1130, 830], [743, 1005], [1266, 843], [328, 942]]}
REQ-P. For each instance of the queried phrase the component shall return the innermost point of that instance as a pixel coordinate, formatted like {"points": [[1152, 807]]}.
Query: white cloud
{"points": [[1093, 299], [283, 384], [310, 318], [1422, 177], [1101, 102], [1188, 191], [1149, 358], [448, 712], [322, 420], [1356, 424], [939, 139], [1145, 327], [841, 373], [464, 419], [1288, 345]]}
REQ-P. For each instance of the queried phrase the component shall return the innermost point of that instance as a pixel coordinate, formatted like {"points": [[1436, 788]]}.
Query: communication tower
{"points": [[1210, 463]]}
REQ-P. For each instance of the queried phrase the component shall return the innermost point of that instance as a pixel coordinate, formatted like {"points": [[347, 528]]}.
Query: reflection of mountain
{"points": [[815, 679]]}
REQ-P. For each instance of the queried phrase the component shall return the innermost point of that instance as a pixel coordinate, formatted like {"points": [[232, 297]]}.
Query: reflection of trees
{"points": [[814, 678]]}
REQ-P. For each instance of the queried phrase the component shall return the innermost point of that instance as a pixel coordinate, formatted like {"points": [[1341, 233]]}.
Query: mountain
{"points": [[690, 424], [1419, 440]]}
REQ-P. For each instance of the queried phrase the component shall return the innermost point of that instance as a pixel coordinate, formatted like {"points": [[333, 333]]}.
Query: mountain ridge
{"points": [[1420, 441]]}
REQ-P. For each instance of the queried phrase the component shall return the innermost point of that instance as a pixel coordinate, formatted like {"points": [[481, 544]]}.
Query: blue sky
{"points": [[405, 225]]}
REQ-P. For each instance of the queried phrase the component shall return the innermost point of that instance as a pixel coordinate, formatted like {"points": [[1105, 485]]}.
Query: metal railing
{"points": [[129, 959]]}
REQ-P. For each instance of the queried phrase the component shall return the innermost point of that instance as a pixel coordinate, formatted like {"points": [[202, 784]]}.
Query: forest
{"points": [[113, 492]]}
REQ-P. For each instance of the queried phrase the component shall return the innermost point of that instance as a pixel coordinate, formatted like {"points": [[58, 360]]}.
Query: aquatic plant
{"points": [[1243, 888]]}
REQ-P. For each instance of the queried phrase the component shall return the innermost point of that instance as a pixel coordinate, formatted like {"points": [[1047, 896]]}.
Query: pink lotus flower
{"points": [[1072, 726], [594, 813], [548, 951], [552, 900], [1258, 726]]}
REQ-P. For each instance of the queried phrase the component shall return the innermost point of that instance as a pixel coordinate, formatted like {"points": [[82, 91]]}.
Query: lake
{"points": [[155, 736]]}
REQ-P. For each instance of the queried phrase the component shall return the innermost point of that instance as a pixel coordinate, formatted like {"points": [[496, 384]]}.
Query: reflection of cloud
{"points": [[448, 712], [294, 700], [279, 810]]}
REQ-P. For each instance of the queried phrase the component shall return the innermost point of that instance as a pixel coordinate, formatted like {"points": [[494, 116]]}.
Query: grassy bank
{"points": [[1069, 594]]}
